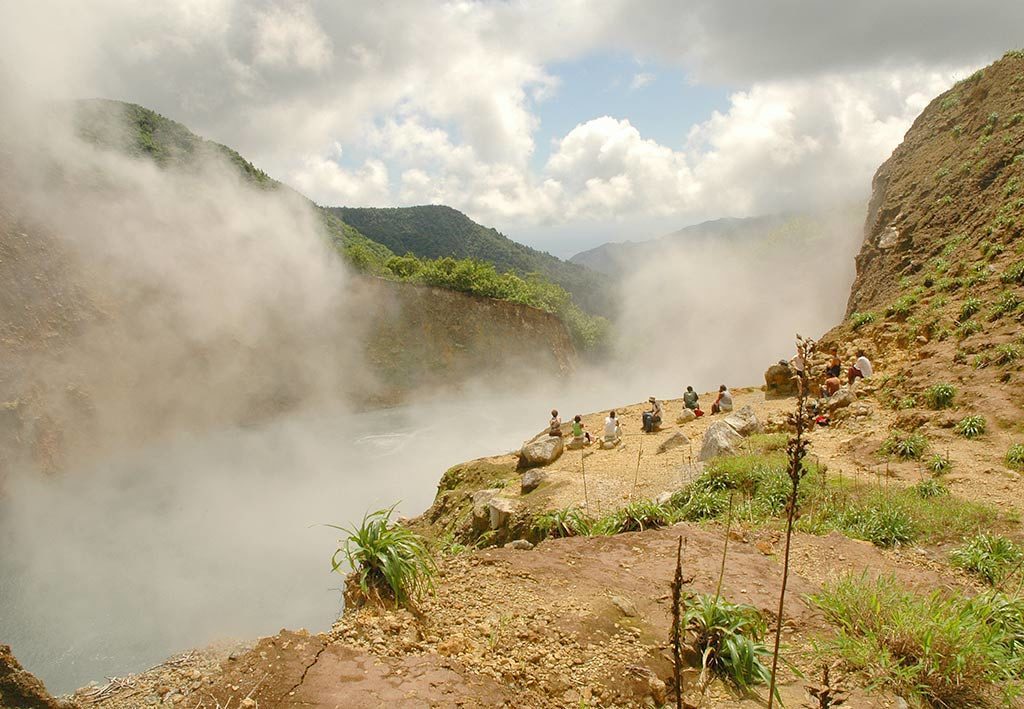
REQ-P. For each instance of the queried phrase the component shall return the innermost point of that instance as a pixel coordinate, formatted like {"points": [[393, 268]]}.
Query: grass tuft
{"points": [[728, 638], [990, 556], [940, 396], [971, 426], [908, 446]]}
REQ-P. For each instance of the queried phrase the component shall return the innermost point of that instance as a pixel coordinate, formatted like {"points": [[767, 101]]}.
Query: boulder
{"points": [[779, 423], [521, 544], [481, 508], [720, 439], [625, 605], [778, 380], [686, 416], [542, 451], [744, 421], [500, 511], [674, 441], [20, 688], [841, 399], [532, 480]]}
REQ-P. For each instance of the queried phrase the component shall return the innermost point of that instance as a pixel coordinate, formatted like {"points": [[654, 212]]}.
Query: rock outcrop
{"points": [[778, 380], [744, 421], [541, 451], [20, 689], [674, 441], [720, 439]]}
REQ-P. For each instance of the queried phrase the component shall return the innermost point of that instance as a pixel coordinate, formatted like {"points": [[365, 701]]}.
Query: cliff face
{"points": [[938, 294], [950, 191]]}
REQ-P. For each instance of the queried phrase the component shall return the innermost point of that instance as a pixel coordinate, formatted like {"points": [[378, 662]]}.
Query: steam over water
{"points": [[217, 536]]}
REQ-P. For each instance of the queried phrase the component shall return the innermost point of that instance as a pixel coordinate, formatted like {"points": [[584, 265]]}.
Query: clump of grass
{"points": [[1015, 456], [902, 306], [908, 446], [943, 650], [728, 638], [566, 522], [971, 426], [700, 503], [940, 396], [859, 320], [968, 308], [1007, 353], [387, 560], [990, 556], [1007, 304], [634, 517], [1014, 274], [939, 464], [930, 488], [968, 328]]}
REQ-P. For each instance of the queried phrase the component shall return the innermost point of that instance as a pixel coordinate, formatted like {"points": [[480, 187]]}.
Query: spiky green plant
{"points": [[990, 556], [968, 308], [939, 464], [387, 560], [859, 320], [728, 638], [930, 488], [566, 522], [1015, 456], [940, 396], [1007, 353], [908, 446], [971, 426]]}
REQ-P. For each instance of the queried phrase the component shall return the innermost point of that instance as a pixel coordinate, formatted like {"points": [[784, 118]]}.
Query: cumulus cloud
{"points": [[641, 80]]}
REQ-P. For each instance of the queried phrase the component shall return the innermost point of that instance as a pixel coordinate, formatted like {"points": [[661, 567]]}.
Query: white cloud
{"points": [[641, 80], [325, 181], [286, 37]]}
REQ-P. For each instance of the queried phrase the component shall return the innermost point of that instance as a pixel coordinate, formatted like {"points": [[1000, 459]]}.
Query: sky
{"points": [[562, 123]]}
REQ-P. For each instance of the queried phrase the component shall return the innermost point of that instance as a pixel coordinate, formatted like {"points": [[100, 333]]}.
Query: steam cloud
{"points": [[196, 370]]}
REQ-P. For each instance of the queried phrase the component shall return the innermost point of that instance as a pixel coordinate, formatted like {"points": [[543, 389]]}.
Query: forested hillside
{"points": [[437, 231]]}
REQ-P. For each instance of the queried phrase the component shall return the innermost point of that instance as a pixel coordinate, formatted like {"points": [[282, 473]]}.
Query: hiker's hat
{"points": [[651, 399]]}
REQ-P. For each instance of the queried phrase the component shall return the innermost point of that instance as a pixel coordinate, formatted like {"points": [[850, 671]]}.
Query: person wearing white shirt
{"points": [[612, 432], [860, 369]]}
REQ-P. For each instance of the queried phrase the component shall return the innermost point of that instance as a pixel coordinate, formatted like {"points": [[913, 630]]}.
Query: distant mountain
{"points": [[616, 258], [436, 231]]}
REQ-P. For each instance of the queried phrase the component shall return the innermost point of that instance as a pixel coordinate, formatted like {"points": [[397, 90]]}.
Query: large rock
{"points": [[744, 421], [532, 480], [686, 416], [481, 508], [841, 399], [674, 441], [20, 689], [542, 451], [778, 380], [720, 439], [500, 511]]}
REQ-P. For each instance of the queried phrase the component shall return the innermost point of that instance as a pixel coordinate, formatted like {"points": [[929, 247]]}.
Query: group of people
{"points": [[651, 417], [860, 369]]}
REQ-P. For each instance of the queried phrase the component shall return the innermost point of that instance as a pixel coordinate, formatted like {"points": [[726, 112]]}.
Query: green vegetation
{"points": [[482, 278], [971, 426], [908, 446], [931, 488], [388, 560], [990, 556], [903, 306], [1014, 274], [943, 650], [859, 320], [566, 522], [939, 464], [728, 638], [433, 232], [1007, 353], [1009, 302], [966, 329], [940, 396], [1015, 456], [969, 307]]}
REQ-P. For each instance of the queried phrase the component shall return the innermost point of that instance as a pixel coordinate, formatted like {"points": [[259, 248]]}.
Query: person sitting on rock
{"points": [[612, 430], [723, 402], [833, 371], [861, 368], [555, 424], [690, 399], [579, 433], [652, 418]]}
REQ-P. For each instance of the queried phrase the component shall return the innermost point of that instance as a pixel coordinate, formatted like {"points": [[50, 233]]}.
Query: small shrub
{"points": [[940, 396], [388, 560], [1015, 456], [643, 514], [1009, 302], [888, 525], [966, 329], [969, 308], [908, 446], [990, 556], [939, 464], [930, 488], [971, 426], [703, 503], [1014, 274], [566, 522], [859, 320], [902, 307], [1007, 353], [728, 638], [939, 650]]}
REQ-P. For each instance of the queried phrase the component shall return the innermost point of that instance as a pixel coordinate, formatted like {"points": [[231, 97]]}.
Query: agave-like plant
{"points": [[387, 560], [971, 426], [728, 637]]}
